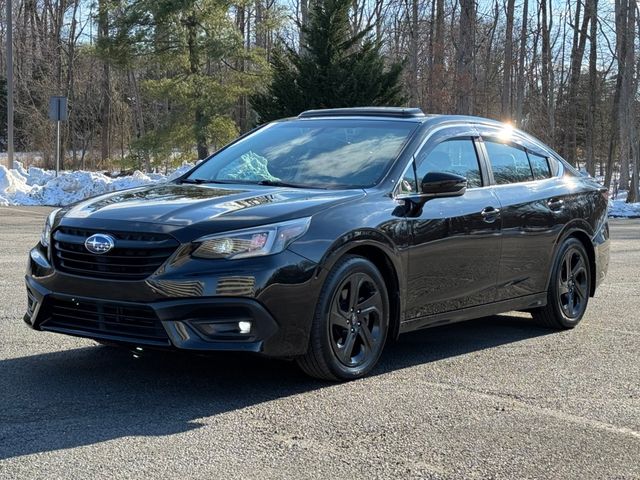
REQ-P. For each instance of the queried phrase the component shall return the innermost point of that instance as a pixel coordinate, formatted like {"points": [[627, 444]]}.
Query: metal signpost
{"points": [[58, 113], [9, 41]]}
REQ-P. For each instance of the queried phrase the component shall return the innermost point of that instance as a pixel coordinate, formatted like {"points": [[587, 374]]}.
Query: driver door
{"points": [[455, 242]]}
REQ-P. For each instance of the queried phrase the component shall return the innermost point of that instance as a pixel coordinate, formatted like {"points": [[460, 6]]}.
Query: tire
{"points": [[348, 331], [569, 288]]}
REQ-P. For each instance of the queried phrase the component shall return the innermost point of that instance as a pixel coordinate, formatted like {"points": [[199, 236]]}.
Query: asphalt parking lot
{"points": [[494, 398]]}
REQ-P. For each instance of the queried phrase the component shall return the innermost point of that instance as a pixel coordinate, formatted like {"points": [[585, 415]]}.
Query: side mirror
{"points": [[442, 184]]}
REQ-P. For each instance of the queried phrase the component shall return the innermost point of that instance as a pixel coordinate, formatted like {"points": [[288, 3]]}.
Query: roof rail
{"points": [[396, 112]]}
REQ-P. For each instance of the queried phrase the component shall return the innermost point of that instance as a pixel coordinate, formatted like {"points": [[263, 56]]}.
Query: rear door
{"points": [[532, 211], [455, 243]]}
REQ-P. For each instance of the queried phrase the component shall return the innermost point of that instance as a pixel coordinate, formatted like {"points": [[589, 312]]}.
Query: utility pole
{"points": [[9, 85]]}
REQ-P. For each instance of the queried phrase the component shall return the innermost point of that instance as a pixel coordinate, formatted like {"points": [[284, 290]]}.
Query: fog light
{"points": [[225, 330]]}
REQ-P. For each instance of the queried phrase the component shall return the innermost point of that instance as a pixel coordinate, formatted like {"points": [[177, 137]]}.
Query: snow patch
{"points": [[37, 186], [620, 208]]}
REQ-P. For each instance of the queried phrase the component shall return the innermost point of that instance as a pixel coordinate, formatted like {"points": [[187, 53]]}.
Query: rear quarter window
{"points": [[539, 166], [510, 164]]}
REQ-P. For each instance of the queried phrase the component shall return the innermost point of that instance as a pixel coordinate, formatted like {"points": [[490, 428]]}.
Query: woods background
{"points": [[154, 82]]}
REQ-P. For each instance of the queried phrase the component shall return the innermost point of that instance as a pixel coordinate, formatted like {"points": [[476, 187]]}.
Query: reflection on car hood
{"points": [[229, 206]]}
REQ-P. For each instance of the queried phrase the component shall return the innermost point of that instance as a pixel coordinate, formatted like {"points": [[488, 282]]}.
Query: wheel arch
{"points": [[578, 232], [588, 246], [384, 264], [382, 256]]}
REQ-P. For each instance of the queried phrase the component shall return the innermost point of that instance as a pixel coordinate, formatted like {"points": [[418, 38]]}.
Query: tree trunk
{"points": [[505, 97], [199, 126], [413, 56], [430, 52], [105, 85], [620, 21], [625, 21], [630, 93], [438, 76], [592, 12], [487, 60], [304, 21], [547, 71], [521, 61], [464, 61], [577, 54]]}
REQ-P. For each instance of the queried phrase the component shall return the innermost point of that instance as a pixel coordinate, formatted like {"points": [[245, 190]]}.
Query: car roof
{"points": [[391, 113], [384, 112]]}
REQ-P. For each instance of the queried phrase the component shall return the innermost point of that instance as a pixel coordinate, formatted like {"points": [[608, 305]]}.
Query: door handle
{"points": [[555, 204], [490, 214]]}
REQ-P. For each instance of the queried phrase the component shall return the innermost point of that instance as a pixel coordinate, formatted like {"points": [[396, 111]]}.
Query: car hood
{"points": [[208, 207]]}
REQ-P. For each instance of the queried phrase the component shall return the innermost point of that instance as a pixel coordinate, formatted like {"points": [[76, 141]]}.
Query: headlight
{"points": [[46, 231], [252, 242]]}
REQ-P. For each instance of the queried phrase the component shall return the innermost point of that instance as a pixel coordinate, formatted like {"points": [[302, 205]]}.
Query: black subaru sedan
{"points": [[322, 237]]}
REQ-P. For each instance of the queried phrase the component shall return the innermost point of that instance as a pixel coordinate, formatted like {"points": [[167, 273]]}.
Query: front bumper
{"points": [[272, 299]]}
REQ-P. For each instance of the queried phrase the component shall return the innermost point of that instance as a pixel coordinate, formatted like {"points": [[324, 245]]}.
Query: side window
{"points": [[553, 164], [407, 184], [539, 166], [509, 164], [453, 156]]}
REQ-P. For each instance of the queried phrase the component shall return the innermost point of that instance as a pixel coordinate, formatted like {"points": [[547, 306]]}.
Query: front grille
{"points": [[132, 323], [134, 257]]}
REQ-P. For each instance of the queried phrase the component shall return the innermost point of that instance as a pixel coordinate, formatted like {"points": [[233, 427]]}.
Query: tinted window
{"points": [[553, 164], [539, 166], [453, 156], [316, 153], [407, 184], [509, 164]]}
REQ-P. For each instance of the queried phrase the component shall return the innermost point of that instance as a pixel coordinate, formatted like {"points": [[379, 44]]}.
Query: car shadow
{"points": [[89, 395]]}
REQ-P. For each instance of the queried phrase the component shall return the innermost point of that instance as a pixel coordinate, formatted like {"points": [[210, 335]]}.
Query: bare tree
{"points": [[577, 54], [521, 63], [505, 98], [414, 95], [465, 81], [105, 84], [592, 12]]}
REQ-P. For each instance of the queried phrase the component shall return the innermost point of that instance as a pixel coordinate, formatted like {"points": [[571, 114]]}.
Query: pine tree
{"points": [[333, 68], [187, 50]]}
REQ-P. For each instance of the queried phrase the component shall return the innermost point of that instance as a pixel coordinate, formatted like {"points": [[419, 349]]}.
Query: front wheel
{"points": [[350, 323], [569, 287]]}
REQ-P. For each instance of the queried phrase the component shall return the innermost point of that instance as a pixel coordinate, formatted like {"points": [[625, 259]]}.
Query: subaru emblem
{"points": [[99, 243]]}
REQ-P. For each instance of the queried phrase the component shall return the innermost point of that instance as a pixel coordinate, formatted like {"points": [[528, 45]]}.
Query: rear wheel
{"points": [[350, 323], [569, 288]]}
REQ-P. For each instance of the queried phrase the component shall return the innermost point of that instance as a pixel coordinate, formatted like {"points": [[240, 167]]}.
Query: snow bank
{"points": [[620, 208], [37, 186]]}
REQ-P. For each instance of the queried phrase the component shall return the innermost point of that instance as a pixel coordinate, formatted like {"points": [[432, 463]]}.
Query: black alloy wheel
{"points": [[351, 322], [569, 288], [355, 319], [573, 283]]}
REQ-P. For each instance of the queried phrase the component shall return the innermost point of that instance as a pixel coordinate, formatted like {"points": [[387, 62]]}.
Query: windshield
{"points": [[310, 153]]}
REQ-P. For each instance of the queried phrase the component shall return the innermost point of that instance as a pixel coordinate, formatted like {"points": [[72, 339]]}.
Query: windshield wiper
{"points": [[195, 181], [200, 181], [278, 183], [270, 183]]}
